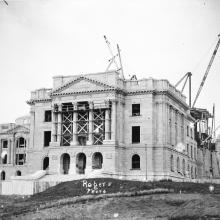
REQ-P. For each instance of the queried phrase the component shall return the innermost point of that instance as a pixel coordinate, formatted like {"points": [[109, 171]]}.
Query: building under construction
{"points": [[102, 124]]}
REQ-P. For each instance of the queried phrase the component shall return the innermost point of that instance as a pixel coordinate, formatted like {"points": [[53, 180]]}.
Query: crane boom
{"points": [[207, 71]]}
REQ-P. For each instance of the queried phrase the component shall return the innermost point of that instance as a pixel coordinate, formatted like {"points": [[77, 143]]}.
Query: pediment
{"points": [[82, 85], [19, 129]]}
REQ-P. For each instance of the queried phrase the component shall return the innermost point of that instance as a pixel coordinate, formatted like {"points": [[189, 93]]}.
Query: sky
{"points": [[162, 39]]}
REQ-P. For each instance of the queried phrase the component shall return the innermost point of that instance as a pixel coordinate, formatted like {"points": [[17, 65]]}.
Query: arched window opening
{"points": [[178, 164], [3, 175], [171, 163], [80, 163], [21, 143], [97, 161], [18, 173], [136, 161], [46, 163], [65, 163]]}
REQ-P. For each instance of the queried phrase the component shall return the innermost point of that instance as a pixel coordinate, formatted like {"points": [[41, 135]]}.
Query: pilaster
{"points": [[90, 141], [75, 115], [59, 122]]}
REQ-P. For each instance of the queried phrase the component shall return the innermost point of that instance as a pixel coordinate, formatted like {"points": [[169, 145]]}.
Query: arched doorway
{"points": [[65, 163], [18, 173], [3, 175], [81, 163], [97, 160], [46, 163]]}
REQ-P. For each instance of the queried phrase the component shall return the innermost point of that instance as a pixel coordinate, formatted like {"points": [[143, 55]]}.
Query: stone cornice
{"points": [[162, 92], [56, 93], [87, 92], [33, 101]]}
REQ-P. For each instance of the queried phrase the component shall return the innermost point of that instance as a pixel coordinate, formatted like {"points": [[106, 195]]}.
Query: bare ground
{"points": [[162, 206]]}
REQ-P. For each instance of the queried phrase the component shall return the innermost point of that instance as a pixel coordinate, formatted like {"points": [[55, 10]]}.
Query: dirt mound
{"points": [[108, 185]]}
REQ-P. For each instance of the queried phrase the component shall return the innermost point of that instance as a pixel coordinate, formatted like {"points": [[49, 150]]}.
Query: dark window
{"points": [[47, 116], [135, 109], [20, 159], [171, 163], [45, 163], [187, 131], [135, 161], [135, 134], [47, 138], [191, 132], [21, 142], [18, 173], [4, 159], [178, 164], [3, 175], [4, 143]]}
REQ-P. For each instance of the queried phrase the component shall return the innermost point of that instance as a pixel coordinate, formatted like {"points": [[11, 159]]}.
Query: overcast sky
{"points": [[162, 39]]}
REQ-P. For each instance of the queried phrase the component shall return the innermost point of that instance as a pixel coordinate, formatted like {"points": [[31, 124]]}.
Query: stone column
{"points": [[72, 169], [88, 164], [113, 121], [107, 123], [90, 141], [59, 123], [54, 121], [75, 116]]}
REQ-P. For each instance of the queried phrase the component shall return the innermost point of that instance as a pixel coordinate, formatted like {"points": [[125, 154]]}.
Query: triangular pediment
{"points": [[81, 85], [19, 129]]}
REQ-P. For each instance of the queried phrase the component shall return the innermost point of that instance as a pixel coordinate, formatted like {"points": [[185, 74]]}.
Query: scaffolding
{"points": [[99, 126], [85, 116]]}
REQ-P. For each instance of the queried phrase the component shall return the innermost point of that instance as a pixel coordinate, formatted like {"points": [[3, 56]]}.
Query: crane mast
{"points": [[207, 71]]}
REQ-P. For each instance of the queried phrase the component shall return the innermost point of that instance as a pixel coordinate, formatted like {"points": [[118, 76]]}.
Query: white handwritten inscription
{"points": [[93, 187]]}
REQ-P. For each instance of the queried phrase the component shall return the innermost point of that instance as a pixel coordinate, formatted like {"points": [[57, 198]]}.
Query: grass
{"points": [[77, 200]]}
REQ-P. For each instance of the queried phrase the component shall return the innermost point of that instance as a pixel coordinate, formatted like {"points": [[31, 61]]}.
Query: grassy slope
{"points": [[72, 200]]}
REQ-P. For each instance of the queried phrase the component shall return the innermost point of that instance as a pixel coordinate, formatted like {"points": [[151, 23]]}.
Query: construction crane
{"points": [[5, 2], [207, 71], [186, 77], [113, 59]]}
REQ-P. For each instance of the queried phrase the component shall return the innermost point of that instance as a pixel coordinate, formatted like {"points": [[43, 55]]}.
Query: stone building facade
{"points": [[131, 129]]}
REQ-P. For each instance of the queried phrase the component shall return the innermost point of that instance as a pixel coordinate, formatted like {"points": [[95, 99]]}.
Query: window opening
{"points": [[47, 138], [20, 159], [4, 144], [48, 116], [21, 143], [135, 109], [135, 134], [135, 161]]}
